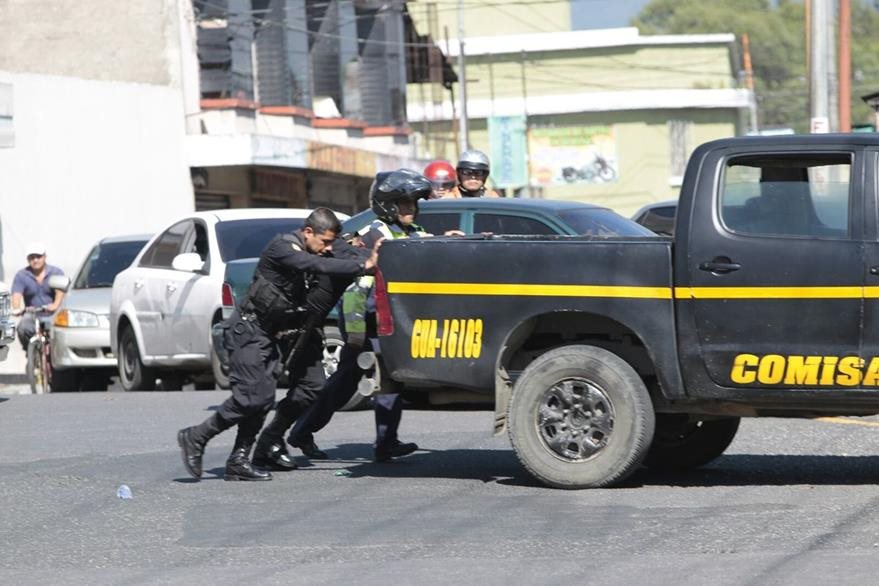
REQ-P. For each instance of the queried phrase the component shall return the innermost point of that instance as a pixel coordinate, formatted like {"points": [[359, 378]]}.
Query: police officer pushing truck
{"points": [[283, 309], [394, 199]]}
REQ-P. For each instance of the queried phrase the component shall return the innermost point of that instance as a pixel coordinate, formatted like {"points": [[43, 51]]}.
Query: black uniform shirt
{"points": [[287, 264]]}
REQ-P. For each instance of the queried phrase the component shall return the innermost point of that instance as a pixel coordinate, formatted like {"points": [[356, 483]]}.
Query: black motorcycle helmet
{"points": [[391, 187]]}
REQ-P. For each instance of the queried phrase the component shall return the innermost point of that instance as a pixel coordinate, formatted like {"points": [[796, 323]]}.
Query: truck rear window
{"points": [[787, 195]]}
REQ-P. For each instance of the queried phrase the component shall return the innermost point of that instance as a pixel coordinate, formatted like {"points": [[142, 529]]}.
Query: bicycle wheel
{"points": [[46, 366], [35, 373]]}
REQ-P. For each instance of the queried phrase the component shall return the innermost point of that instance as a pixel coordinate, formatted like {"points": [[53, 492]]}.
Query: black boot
{"points": [[383, 453], [192, 441], [270, 451], [273, 457], [310, 450], [238, 466]]}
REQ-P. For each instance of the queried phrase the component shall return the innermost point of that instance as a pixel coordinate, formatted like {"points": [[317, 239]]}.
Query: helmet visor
{"points": [[443, 185], [472, 173]]}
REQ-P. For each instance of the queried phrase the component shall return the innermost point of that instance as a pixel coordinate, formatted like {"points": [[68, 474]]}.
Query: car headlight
{"points": [[71, 318]]}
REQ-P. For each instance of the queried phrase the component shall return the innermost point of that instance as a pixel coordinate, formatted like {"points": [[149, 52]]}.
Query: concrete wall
{"points": [[91, 159], [600, 70], [92, 39]]}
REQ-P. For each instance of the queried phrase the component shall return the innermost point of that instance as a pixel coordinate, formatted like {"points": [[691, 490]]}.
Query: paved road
{"points": [[791, 502]]}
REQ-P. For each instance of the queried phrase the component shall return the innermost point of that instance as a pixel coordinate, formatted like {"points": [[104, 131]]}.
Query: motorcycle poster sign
{"points": [[573, 155]]}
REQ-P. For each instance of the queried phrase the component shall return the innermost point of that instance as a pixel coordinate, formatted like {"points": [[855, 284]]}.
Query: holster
{"points": [[271, 307]]}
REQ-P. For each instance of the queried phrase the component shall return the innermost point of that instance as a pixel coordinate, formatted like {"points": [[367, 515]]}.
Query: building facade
{"points": [[117, 121], [606, 116]]}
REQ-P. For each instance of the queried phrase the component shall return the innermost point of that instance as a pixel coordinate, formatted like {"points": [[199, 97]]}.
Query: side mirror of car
{"points": [[188, 261], [60, 282]]}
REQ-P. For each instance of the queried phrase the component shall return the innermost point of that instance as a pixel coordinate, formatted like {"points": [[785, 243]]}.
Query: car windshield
{"points": [[247, 238], [105, 261], [602, 222]]}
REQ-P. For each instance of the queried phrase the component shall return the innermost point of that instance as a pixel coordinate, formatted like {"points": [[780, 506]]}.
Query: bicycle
{"points": [[39, 354]]}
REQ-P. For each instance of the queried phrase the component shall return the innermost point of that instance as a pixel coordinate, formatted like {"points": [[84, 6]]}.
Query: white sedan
{"points": [[164, 304]]}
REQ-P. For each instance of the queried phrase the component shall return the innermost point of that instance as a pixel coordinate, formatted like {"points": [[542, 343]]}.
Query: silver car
{"points": [[82, 358]]}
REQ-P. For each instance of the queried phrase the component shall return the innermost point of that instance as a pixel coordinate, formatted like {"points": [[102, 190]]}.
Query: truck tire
{"points": [[133, 375], [580, 417], [682, 443]]}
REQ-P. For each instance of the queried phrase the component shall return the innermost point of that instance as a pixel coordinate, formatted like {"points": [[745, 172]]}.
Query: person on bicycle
{"points": [[30, 289], [472, 170]]}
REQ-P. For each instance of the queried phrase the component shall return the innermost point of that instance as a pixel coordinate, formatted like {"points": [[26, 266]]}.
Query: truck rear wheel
{"points": [[683, 443], [580, 417]]}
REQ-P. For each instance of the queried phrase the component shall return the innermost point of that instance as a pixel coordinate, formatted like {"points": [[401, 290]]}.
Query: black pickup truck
{"points": [[607, 353]]}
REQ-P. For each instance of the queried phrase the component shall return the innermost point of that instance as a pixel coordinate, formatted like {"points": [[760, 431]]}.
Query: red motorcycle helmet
{"points": [[442, 175]]}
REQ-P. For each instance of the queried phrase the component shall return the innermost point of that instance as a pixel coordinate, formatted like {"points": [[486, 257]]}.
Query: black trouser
{"points": [[341, 385], [253, 362], [338, 390], [307, 379]]}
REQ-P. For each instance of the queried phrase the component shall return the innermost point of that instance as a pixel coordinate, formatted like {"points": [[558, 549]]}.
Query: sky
{"points": [[589, 14]]}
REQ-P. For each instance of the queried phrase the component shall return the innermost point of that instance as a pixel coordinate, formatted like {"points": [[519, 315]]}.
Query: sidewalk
{"points": [[13, 380]]}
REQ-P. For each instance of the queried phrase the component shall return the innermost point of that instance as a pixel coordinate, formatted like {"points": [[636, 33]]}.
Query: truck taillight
{"points": [[228, 299], [384, 319]]}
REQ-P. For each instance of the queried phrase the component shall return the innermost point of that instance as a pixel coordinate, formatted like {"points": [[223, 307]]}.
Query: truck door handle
{"points": [[138, 284], [171, 286], [720, 265], [874, 270]]}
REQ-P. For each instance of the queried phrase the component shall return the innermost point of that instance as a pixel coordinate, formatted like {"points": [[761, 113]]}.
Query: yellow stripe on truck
{"points": [[770, 292], [627, 292], [515, 289]]}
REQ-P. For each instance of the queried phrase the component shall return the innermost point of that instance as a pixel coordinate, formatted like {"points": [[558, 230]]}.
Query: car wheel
{"points": [[682, 443], [580, 417], [65, 379], [133, 375], [220, 370]]}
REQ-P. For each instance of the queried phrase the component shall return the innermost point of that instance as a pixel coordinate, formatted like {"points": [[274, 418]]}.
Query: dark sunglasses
{"points": [[472, 173]]}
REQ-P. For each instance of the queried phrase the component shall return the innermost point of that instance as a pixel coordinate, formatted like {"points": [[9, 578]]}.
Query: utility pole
{"points": [[749, 82], [525, 112], [832, 79], [818, 66], [464, 134], [452, 95], [845, 66]]}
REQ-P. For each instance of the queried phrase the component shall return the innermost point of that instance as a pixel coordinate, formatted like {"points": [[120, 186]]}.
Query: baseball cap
{"points": [[36, 248]]}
